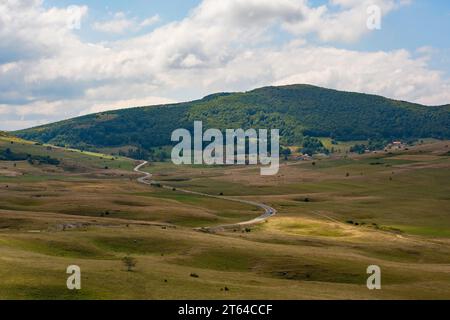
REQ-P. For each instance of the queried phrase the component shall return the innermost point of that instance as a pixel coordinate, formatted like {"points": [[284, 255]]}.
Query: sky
{"points": [[65, 58]]}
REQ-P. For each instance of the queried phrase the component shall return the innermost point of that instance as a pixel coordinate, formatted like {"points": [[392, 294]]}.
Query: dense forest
{"points": [[299, 111], [8, 155]]}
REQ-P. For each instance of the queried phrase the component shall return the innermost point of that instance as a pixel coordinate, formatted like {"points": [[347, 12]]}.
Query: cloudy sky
{"points": [[64, 58]]}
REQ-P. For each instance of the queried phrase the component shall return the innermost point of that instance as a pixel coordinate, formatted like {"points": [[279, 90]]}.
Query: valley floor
{"points": [[334, 219]]}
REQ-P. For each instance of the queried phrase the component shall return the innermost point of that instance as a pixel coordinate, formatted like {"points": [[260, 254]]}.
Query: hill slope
{"points": [[297, 110]]}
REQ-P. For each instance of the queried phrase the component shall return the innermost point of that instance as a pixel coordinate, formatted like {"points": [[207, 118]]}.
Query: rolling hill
{"points": [[297, 110]]}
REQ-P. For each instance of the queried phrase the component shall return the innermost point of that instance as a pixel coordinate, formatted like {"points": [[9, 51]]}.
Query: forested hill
{"points": [[297, 110]]}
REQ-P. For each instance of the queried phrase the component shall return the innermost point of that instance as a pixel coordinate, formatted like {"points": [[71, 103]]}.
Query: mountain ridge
{"points": [[297, 110]]}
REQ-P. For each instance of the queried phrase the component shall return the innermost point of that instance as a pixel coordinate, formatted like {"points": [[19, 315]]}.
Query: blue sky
{"points": [[421, 23], [171, 10], [151, 52]]}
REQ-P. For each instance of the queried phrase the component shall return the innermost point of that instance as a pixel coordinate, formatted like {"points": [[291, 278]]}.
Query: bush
{"points": [[8, 155], [313, 145], [129, 262]]}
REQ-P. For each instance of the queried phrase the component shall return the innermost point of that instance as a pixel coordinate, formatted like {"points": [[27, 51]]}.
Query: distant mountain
{"points": [[297, 110]]}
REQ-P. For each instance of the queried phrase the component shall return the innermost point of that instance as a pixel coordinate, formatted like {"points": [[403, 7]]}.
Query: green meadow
{"points": [[336, 216]]}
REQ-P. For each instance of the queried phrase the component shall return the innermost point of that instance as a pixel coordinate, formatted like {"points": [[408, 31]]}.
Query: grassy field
{"points": [[335, 218]]}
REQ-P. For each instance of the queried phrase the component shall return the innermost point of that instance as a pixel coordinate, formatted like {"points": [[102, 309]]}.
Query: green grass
{"points": [[341, 146], [432, 232], [57, 247], [139, 245], [68, 157], [224, 259], [302, 253]]}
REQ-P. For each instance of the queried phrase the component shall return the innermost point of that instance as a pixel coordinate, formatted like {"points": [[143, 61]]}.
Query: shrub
{"points": [[129, 262]]}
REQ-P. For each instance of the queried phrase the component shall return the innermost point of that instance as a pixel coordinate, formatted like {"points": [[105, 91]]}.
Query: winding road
{"points": [[268, 211]]}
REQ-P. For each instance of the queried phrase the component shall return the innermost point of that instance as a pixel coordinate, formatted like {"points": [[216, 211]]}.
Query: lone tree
{"points": [[129, 262]]}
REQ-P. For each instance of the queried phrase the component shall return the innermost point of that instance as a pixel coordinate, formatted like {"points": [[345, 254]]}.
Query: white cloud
{"points": [[4, 109], [8, 125], [128, 103], [347, 24], [47, 72], [394, 74], [120, 95], [29, 32], [121, 24], [150, 21]]}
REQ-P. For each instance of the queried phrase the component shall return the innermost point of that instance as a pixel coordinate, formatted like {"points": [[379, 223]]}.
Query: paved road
{"points": [[268, 211]]}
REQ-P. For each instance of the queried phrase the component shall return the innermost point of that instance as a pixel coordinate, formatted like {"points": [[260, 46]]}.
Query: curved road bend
{"points": [[268, 211]]}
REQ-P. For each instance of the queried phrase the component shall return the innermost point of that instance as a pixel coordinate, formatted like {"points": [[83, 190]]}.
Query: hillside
{"points": [[297, 110]]}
